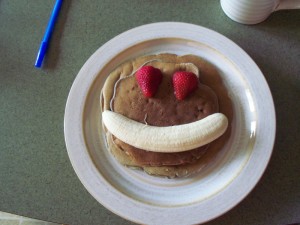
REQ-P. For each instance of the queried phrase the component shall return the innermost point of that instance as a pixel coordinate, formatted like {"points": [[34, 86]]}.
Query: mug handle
{"points": [[288, 4]]}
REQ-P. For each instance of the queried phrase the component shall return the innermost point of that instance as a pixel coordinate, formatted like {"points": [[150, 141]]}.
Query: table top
{"points": [[37, 179]]}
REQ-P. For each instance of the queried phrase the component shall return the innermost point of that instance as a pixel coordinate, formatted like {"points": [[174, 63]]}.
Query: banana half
{"points": [[168, 139]]}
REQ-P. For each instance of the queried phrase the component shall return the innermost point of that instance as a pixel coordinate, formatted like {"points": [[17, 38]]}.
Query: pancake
{"points": [[122, 94]]}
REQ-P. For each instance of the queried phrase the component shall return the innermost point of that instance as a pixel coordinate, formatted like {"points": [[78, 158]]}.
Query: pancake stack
{"points": [[122, 94]]}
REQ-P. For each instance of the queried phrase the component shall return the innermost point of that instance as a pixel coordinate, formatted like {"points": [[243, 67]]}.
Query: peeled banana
{"points": [[168, 139]]}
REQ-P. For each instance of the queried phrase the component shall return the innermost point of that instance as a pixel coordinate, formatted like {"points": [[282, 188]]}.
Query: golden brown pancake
{"points": [[122, 94]]}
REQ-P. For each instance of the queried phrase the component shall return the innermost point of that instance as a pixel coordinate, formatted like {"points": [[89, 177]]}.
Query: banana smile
{"points": [[169, 139]]}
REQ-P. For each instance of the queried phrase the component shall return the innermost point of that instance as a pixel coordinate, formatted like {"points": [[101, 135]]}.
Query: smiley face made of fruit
{"points": [[165, 139]]}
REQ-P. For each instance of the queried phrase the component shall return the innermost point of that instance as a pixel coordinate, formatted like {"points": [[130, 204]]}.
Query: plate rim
{"points": [[69, 116]]}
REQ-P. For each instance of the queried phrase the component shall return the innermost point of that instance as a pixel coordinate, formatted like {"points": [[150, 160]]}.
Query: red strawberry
{"points": [[184, 83], [148, 78]]}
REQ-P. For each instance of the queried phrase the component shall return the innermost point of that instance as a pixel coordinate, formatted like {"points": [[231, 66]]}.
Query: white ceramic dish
{"points": [[144, 199]]}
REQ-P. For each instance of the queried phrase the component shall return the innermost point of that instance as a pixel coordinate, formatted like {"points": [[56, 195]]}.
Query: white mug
{"points": [[255, 11]]}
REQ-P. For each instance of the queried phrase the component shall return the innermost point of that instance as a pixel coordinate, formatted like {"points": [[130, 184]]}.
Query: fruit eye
{"points": [[149, 79]]}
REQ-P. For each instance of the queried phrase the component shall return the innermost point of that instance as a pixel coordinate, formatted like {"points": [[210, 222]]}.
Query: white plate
{"points": [[139, 197]]}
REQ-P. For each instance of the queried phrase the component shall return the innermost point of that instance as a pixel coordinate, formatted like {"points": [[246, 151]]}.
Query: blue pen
{"points": [[45, 41]]}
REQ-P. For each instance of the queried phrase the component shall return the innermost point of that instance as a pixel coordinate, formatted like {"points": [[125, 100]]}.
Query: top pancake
{"points": [[163, 109]]}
